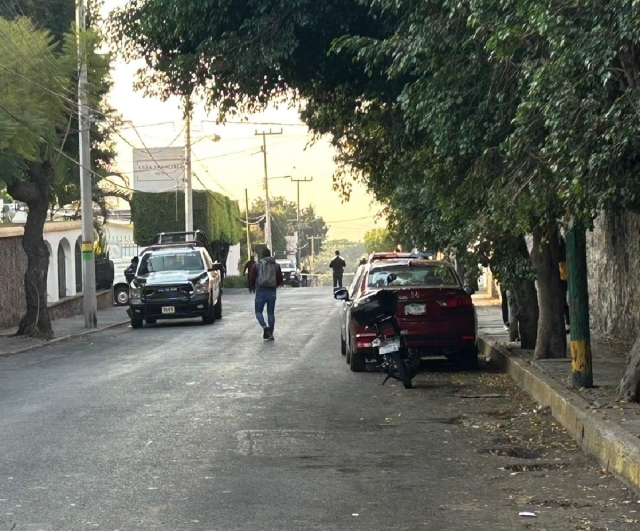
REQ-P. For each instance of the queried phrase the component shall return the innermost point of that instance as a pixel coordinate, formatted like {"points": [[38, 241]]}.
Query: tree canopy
{"points": [[283, 223]]}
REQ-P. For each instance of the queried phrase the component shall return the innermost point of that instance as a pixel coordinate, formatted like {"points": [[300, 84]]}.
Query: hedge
{"points": [[214, 214]]}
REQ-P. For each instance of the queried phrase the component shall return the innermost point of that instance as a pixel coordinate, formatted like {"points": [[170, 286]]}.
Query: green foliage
{"points": [[350, 251], [283, 223], [43, 63], [240, 53], [235, 282], [56, 17], [214, 214], [31, 116], [379, 240]]}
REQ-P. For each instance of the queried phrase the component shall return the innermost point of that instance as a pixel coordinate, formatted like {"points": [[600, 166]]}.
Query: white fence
{"points": [[122, 247]]}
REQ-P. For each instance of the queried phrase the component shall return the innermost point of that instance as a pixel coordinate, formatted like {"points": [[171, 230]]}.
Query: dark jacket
{"points": [[337, 264], [248, 267], [130, 272]]}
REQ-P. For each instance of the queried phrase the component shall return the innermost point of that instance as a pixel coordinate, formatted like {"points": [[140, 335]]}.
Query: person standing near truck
{"points": [[337, 265]]}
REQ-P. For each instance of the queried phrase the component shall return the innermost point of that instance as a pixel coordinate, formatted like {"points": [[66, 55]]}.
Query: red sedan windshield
{"points": [[406, 275]]}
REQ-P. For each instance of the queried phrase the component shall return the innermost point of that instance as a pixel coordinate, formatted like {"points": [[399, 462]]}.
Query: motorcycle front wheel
{"points": [[401, 369]]}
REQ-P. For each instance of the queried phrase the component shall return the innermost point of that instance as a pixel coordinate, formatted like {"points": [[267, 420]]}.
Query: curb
{"points": [[616, 450], [61, 339]]}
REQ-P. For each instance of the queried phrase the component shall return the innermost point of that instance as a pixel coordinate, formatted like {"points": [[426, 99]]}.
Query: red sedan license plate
{"points": [[415, 309]]}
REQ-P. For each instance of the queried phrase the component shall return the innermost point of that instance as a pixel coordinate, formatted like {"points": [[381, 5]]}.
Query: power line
{"points": [[49, 143], [216, 182], [148, 125], [260, 123], [348, 220]]}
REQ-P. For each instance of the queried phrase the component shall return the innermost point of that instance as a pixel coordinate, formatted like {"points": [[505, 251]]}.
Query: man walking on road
{"points": [[337, 265], [265, 278]]}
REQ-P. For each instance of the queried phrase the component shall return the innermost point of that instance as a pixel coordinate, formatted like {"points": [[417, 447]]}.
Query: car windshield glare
{"points": [[432, 275], [153, 263], [287, 265]]}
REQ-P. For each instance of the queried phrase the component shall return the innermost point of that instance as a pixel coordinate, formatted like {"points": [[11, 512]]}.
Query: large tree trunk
{"points": [[525, 305], [552, 339], [35, 193], [629, 389]]}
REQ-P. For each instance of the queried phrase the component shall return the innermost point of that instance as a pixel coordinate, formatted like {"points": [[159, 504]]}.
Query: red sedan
{"points": [[434, 311]]}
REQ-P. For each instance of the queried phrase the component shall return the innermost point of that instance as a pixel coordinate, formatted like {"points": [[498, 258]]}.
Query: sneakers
{"points": [[507, 327]]}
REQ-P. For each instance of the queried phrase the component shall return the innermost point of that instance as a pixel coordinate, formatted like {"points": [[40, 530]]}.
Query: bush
{"points": [[237, 281]]}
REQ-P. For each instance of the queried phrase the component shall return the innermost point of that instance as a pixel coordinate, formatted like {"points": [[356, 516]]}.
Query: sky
{"points": [[234, 162]]}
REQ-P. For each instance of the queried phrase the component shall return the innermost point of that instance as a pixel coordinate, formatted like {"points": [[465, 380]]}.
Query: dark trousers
{"points": [[505, 306], [266, 297], [337, 279]]}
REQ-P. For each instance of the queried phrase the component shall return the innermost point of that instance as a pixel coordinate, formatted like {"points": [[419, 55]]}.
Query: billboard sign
{"points": [[158, 169]]}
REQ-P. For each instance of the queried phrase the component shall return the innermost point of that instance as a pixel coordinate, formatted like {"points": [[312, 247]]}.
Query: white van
{"points": [[120, 285]]}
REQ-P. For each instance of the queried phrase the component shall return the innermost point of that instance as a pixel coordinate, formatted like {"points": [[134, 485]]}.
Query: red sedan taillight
{"points": [[456, 302], [364, 340]]}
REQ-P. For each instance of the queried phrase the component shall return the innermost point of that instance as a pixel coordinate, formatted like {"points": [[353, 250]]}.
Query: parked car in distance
{"points": [[290, 274], [435, 313], [175, 281]]}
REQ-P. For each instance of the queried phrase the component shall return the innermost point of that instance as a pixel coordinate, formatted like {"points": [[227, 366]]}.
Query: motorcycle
{"points": [[377, 311]]}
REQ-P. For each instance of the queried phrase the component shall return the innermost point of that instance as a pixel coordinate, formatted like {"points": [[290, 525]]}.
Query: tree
{"points": [[57, 18], [313, 226], [33, 124], [379, 240], [41, 64], [283, 223]]}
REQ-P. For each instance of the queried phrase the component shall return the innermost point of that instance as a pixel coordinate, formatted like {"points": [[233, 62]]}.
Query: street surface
{"points": [[208, 428]]}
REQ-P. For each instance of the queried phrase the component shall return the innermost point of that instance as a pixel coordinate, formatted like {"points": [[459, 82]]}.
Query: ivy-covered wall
{"points": [[214, 214]]}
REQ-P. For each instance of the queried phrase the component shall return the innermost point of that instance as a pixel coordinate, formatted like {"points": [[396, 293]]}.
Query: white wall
{"points": [[64, 234], [232, 261]]}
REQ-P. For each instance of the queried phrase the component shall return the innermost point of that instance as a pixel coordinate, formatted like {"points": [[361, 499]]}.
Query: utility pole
{"points": [[580, 344], [298, 181], [267, 227], [246, 202], [86, 197], [188, 188]]}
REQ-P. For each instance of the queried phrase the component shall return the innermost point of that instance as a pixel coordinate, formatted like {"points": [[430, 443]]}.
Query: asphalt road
{"points": [[192, 427]]}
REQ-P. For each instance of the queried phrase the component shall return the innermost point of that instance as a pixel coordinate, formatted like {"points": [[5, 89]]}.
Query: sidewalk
{"points": [[608, 430], [63, 329]]}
